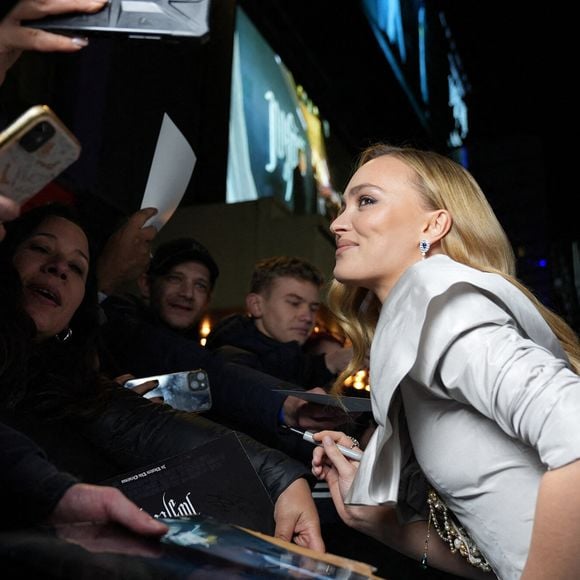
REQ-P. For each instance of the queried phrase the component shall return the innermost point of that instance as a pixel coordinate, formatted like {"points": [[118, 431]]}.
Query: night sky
{"points": [[518, 62]]}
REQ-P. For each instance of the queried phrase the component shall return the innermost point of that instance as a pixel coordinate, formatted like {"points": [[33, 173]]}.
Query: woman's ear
{"points": [[438, 226], [254, 305]]}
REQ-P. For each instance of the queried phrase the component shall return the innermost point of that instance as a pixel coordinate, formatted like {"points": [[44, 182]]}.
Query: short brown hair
{"points": [[268, 269]]}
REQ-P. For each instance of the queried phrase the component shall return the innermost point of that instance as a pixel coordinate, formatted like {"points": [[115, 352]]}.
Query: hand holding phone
{"points": [[187, 391], [34, 150]]}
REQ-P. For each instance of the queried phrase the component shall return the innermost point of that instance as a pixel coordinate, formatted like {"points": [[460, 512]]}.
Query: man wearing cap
{"points": [[175, 287], [178, 284]]}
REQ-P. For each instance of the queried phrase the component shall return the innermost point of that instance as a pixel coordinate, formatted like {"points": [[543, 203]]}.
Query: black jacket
{"points": [[29, 484], [285, 360], [237, 339], [134, 432], [242, 398]]}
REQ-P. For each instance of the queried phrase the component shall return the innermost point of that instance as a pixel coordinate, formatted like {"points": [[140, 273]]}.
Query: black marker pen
{"points": [[356, 454]]}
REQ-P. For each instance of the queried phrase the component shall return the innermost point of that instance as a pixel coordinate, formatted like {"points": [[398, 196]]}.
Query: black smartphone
{"points": [[150, 19]]}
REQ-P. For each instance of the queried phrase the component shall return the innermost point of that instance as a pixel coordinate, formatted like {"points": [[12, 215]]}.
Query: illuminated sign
{"points": [[285, 142], [419, 48], [276, 137]]}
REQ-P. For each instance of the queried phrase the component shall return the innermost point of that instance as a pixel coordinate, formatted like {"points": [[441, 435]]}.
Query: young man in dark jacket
{"points": [[283, 302]]}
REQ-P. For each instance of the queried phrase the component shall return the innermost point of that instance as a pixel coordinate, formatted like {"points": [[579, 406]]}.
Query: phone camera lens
{"points": [[37, 136]]}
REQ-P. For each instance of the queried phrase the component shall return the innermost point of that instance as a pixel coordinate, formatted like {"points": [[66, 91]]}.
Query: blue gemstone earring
{"points": [[424, 246]]}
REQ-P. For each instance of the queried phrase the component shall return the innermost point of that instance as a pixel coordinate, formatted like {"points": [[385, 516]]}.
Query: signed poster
{"points": [[215, 479]]}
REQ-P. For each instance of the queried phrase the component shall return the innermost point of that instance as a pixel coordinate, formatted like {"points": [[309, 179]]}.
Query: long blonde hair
{"points": [[476, 239]]}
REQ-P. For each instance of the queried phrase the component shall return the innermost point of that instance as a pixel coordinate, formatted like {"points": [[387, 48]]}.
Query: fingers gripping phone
{"points": [[187, 391], [34, 150]]}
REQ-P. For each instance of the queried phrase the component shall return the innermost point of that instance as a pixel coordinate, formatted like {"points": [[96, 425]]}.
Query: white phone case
{"points": [[34, 150]]}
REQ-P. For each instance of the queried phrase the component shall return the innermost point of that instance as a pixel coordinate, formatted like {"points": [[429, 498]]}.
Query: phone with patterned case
{"points": [[187, 391], [34, 150]]}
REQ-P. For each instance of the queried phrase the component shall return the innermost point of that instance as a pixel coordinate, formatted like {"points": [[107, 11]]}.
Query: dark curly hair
{"points": [[50, 377]]}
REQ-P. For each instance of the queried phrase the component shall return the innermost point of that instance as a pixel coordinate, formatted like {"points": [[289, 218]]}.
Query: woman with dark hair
{"points": [[38, 491], [36, 488], [52, 390], [28, 380]]}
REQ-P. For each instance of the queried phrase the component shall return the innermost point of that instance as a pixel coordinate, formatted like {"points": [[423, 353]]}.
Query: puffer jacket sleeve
{"points": [[135, 432], [30, 484]]}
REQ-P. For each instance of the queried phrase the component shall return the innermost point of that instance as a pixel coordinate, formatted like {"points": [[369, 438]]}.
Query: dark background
{"points": [[517, 57], [517, 61]]}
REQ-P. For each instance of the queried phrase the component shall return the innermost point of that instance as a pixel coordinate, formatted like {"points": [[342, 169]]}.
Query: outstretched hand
{"points": [[97, 503], [14, 37], [313, 416], [297, 517], [127, 252]]}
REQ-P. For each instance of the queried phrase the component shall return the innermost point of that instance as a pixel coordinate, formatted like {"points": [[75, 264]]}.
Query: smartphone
{"points": [[34, 149], [187, 391], [152, 19]]}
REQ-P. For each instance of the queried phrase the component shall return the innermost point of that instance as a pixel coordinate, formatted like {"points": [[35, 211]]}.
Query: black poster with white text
{"points": [[215, 479]]}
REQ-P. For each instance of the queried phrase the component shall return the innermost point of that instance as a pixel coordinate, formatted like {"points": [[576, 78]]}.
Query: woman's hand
{"points": [[297, 517], [329, 464], [14, 38]]}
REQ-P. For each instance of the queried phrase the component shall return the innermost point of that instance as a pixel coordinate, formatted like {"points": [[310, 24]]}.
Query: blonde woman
{"points": [[474, 382]]}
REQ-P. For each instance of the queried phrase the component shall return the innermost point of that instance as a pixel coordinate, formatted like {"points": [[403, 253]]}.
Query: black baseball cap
{"points": [[182, 250]]}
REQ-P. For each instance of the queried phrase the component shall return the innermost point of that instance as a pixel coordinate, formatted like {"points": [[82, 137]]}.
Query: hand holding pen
{"points": [[352, 453], [331, 464]]}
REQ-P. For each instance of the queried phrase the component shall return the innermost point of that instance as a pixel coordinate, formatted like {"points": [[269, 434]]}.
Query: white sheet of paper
{"points": [[171, 169]]}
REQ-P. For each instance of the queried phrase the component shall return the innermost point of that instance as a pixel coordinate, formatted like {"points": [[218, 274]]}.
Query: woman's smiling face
{"points": [[53, 264], [379, 229]]}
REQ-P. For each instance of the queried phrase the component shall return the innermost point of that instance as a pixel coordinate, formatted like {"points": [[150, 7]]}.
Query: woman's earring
{"points": [[424, 246], [64, 335]]}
